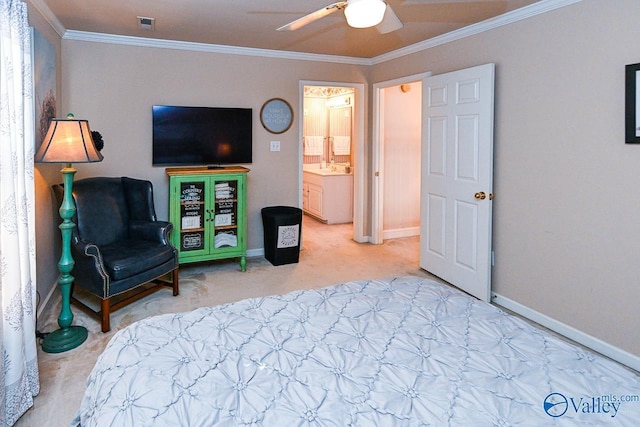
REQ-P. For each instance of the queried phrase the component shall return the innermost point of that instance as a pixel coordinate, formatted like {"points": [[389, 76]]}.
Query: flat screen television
{"points": [[194, 136]]}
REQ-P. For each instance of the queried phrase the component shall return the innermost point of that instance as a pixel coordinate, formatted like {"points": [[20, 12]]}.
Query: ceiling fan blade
{"points": [[313, 16], [422, 2], [390, 21]]}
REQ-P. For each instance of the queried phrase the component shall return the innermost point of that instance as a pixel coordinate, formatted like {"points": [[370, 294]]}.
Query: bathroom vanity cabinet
{"points": [[208, 209], [328, 195]]}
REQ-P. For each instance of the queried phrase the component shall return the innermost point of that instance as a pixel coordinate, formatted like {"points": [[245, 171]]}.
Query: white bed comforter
{"points": [[400, 352]]}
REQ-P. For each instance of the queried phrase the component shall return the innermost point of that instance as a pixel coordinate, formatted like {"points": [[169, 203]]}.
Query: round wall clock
{"points": [[276, 115]]}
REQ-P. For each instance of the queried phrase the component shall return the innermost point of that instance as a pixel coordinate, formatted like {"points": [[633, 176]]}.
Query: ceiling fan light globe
{"points": [[364, 13]]}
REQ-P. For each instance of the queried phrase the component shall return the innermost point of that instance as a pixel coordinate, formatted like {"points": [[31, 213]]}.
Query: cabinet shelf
{"points": [[225, 227]]}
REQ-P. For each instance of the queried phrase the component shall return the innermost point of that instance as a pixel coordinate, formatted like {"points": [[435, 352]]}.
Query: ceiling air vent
{"points": [[147, 24]]}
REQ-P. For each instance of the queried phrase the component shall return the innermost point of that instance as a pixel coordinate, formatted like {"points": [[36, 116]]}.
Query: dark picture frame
{"points": [[276, 115], [632, 104]]}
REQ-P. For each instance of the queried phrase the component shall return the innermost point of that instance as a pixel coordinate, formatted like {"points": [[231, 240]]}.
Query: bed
{"points": [[404, 351]]}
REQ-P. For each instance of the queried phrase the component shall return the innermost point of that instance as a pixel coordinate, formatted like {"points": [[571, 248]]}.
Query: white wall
{"points": [[566, 233], [401, 166]]}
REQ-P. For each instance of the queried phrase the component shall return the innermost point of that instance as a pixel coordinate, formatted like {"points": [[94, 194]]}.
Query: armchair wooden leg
{"points": [[175, 282], [106, 324]]}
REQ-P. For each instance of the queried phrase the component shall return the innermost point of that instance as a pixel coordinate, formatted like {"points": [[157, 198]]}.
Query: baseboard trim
{"points": [[570, 332], [255, 252], [45, 302], [398, 233]]}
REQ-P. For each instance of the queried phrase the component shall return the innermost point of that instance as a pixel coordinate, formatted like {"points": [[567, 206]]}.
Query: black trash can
{"points": [[282, 234]]}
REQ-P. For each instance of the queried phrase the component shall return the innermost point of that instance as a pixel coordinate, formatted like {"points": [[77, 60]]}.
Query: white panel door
{"points": [[457, 178]]}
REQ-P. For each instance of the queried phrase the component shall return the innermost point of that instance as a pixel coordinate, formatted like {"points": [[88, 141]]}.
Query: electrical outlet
{"points": [[275, 145]]}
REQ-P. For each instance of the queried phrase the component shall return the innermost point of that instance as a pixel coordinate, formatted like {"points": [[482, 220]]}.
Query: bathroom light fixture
{"points": [[364, 13], [343, 101]]}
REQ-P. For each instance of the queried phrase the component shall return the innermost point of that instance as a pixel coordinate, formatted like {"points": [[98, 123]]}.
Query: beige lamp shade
{"points": [[68, 141]]}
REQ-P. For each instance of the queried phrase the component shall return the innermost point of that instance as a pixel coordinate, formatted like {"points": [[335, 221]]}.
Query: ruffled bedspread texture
{"points": [[403, 351]]}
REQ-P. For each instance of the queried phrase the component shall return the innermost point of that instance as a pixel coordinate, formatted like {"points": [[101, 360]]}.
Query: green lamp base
{"points": [[64, 339]]}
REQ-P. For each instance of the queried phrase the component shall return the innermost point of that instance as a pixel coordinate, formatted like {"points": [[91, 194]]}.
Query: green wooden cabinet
{"points": [[208, 209]]}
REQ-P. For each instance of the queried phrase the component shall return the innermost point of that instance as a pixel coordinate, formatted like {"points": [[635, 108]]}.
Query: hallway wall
{"points": [[401, 168]]}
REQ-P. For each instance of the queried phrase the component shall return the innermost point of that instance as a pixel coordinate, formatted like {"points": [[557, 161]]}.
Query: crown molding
{"points": [[49, 16], [211, 48], [473, 29], [526, 12]]}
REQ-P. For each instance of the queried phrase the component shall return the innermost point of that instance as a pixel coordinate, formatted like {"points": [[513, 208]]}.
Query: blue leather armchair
{"points": [[118, 244]]}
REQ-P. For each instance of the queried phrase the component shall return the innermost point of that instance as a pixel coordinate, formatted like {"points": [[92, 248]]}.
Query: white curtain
{"points": [[19, 372]]}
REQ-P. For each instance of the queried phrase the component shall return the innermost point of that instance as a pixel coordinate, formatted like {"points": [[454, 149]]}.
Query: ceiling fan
{"points": [[359, 14]]}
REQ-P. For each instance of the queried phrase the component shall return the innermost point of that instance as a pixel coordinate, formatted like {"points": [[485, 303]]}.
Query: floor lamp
{"points": [[67, 141]]}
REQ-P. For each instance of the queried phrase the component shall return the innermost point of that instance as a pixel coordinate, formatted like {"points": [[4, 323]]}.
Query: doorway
{"points": [[396, 149], [331, 153], [457, 178], [457, 152]]}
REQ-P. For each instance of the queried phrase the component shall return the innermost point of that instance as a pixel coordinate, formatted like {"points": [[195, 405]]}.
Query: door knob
{"points": [[481, 195]]}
